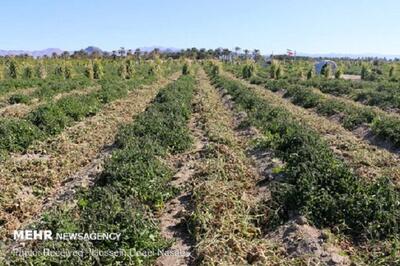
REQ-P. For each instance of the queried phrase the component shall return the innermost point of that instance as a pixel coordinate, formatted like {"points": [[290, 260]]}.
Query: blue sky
{"points": [[314, 26]]}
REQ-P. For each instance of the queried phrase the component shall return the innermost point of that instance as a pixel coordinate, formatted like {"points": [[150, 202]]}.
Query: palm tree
{"points": [[256, 54], [137, 53], [218, 52], [65, 54], [121, 51], [246, 53], [237, 51], [226, 53], [129, 53]]}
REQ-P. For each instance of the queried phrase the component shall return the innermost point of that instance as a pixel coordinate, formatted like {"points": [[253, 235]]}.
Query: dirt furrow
{"points": [[173, 217]]}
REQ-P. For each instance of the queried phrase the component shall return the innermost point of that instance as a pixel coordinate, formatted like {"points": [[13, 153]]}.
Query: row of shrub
{"points": [[52, 117], [317, 184], [7, 86], [132, 186], [382, 93], [351, 116], [90, 72], [47, 89]]}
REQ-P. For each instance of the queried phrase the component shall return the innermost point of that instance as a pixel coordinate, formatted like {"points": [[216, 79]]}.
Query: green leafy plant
{"points": [[17, 134], [19, 98], [98, 71], [49, 118], [185, 69], [12, 69]]}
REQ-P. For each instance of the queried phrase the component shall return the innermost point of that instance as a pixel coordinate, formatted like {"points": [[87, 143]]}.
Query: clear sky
{"points": [[314, 26]]}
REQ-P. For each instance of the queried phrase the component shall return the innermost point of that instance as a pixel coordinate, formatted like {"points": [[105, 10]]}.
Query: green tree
{"points": [[89, 71], [97, 70], [130, 69], [391, 72], [301, 74], [365, 72], [28, 72], [279, 72], [214, 70], [247, 71], [67, 71], [59, 71], [185, 69], [122, 71], [41, 71], [13, 69], [338, 73], [272, 71], [310, 74], [326, 71]]}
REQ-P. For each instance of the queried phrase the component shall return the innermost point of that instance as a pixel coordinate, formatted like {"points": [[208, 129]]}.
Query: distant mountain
{"points": [[354, 56], [89, 50], [38, 53]]}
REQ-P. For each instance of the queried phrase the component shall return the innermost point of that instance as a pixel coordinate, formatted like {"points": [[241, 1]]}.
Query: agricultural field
{"points": [[199, 160]]}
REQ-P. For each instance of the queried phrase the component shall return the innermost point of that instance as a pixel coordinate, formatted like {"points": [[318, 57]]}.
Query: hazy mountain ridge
{"points": [[36, 53], [89, 50]]}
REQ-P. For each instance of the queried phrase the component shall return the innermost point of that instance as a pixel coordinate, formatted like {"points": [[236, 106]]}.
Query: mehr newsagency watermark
{"points": [[100, 253], [48, 235], [26, 235]]}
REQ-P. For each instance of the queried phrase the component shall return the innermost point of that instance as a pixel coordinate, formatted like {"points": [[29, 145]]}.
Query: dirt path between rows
{"points": [[173, 222], [68, 161]]}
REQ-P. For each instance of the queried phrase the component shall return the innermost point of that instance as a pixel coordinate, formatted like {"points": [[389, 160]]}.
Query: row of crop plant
{"points": [[317, 184], [133, 185], [51, 118], [383, 125], [384, 94], [50, 73]]}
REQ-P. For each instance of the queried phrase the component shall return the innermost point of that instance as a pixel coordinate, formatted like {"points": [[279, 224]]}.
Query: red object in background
{"points": [[290, 52]]}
